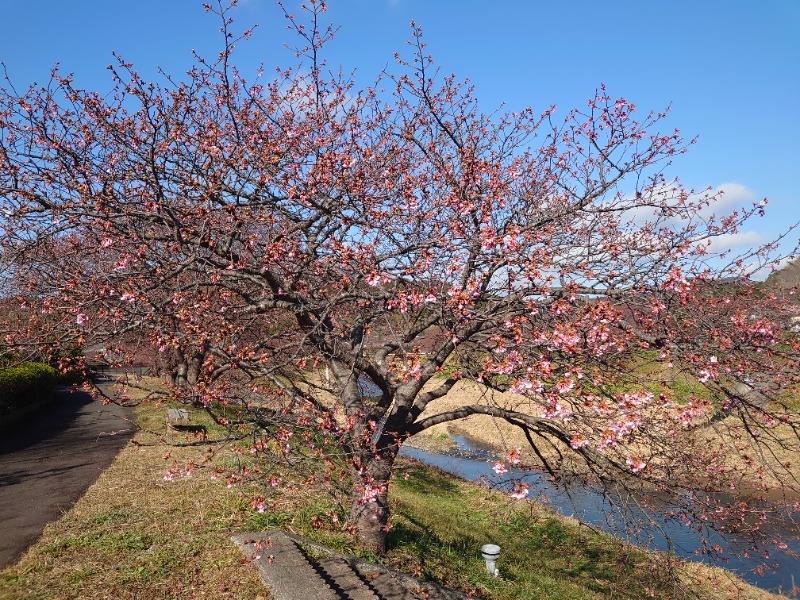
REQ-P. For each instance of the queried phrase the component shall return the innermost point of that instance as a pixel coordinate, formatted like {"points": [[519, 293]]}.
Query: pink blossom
{"points": [[565, 385], [376, 279], [520, 386], [562, 412], [520, 491], [513, 455], [369, 495], [578, 441], [636, 464], [500, 468], [259, 545], [259, 505], [122, 263]]}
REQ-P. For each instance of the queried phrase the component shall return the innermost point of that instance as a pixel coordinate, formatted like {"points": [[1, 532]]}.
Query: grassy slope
{"points": [[543, 555], [134, 535]]}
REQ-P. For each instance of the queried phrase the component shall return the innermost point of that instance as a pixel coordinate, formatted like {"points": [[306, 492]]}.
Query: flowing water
{"points": [[473, 462]]}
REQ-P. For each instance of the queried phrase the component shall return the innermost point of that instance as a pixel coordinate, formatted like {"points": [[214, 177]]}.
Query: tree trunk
{"points": [[183, 368], [369, 513]]}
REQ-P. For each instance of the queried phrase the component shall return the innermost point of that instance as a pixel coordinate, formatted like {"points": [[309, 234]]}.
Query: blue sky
{"points": [[730, 69]]}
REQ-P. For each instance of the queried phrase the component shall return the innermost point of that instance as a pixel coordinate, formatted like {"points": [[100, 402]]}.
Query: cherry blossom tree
{"points": [[337, 260]]}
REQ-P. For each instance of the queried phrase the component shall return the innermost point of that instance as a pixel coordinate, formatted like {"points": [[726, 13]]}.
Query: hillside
{"points": [[788, 276]]}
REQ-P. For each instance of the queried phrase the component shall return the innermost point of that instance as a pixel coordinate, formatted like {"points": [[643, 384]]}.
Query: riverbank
{"points": [[474, 443], [727, 436], [137, 533]]}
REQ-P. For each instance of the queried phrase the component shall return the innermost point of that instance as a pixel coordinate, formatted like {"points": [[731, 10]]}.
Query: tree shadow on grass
{"points": [[419, 536], [426, 480]]}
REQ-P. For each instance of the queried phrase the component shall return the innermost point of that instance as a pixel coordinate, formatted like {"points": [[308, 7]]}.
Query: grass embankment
{"points": [[440, 521], [135, 535], [767, 459]]}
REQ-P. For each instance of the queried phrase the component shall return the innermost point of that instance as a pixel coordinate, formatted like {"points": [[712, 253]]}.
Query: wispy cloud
{"points": [[726, 198], [723, 200], [732, 196], [730, 241]]}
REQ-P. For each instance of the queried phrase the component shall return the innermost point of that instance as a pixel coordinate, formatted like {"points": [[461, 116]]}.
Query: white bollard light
{"points": [[490, 553]]}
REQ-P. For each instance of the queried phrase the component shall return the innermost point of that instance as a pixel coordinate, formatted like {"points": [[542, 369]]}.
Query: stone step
{"points": [[285, 569], [291, 575], [389, 588], [345, 579]]}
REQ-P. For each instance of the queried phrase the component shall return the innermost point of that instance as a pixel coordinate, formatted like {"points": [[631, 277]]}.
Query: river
{"points": [[473, 462]]}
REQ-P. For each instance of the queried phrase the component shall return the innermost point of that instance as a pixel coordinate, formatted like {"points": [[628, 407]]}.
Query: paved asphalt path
{"points": [[48, 460]]}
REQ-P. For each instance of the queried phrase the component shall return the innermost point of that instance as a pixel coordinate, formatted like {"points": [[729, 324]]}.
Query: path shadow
{"points": [[50, 458], [45, 422]]}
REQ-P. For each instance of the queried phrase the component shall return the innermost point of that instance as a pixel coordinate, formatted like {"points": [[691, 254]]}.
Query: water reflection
{"points": [[473, 462]]}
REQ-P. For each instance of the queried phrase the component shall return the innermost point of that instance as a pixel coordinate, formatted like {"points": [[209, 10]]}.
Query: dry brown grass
{"points": [[490, 431], [764, 463]]}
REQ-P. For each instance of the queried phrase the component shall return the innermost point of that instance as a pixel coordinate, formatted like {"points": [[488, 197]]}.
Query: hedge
{"points": [[25, 384]]}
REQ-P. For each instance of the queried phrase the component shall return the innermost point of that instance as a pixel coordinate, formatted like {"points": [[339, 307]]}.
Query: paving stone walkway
{"points": [[295, 568]]}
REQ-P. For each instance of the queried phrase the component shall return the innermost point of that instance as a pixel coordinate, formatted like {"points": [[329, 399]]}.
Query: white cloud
{"points": [[727, 198], [729, 241], [724, 199], [732, 196], [760, 270]]}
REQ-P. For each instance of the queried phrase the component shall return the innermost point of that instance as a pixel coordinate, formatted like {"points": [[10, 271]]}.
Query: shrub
{"points": [[25, 383]]}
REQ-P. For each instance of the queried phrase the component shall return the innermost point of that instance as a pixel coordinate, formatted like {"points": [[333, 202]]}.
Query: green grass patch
{"points": [[441, 522]]}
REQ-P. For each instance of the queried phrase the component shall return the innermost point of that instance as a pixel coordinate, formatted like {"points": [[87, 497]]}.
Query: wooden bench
{"points": [[178, 417]]}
